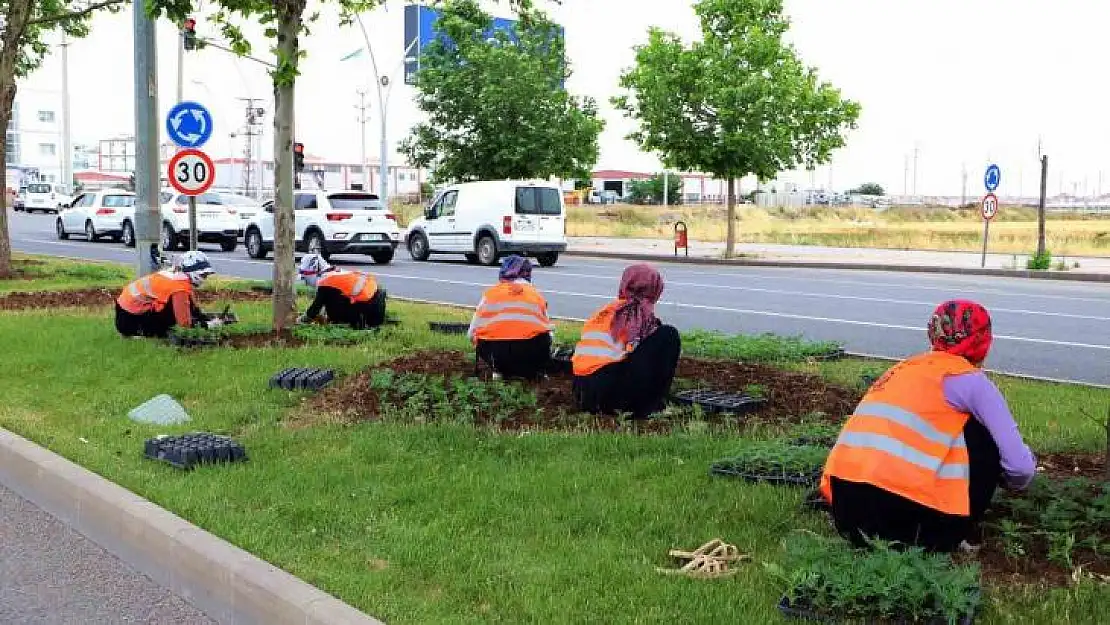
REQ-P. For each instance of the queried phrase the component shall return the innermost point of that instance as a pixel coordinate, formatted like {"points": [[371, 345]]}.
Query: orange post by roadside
{"points": [[680, 239]]}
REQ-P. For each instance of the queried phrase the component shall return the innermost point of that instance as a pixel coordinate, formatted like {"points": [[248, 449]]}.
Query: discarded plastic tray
{"points": [[186, 451], [729, 469], [444, 327], [719, 401], [801, 611], [302, 379]]}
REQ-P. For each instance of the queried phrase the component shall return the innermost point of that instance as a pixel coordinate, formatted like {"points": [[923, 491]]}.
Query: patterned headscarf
{"points": [[515, 267], [963, 328], [641, 287]]}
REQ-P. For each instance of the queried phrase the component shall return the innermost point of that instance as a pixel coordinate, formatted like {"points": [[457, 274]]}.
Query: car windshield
{"points": [[119, 201], [355, 201], [38, 188]]}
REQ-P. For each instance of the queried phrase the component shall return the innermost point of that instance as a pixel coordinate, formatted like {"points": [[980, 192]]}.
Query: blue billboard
{"points": [[420, 31]]}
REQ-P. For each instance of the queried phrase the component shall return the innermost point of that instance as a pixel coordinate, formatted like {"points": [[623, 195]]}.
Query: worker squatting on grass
{"points": [[347, 297], [153, 304], [919, 460]]}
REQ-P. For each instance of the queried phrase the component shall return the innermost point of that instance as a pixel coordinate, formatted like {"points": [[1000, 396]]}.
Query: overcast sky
{"points": [[963, 81]]}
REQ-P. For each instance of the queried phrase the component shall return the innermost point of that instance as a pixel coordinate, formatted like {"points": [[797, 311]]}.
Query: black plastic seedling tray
{"points": [[188, 450], [719, 401], [835, 354], [803, 612], [190, 341], [814, 441], [561, 359], [814, 501], [725, 469], [302, 378], [444, 327]]}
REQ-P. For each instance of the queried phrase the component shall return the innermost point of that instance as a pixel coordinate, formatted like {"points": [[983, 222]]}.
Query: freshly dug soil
{"points": [[253, 340], [790, 395], [95, 298]]}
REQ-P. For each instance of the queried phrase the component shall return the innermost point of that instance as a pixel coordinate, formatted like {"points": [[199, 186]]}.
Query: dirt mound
{"points": [[97, 297], [790, 395]]}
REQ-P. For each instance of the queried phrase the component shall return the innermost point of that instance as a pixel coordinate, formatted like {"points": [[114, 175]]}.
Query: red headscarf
{"points": [[641, 287], [963, 328]]}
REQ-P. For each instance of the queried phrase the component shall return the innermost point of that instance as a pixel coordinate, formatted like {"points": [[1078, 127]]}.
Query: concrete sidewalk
{"points": [[831, 255]]}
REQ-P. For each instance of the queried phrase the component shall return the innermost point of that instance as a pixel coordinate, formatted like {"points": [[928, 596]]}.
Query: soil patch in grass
{"points": [[243, 340], [97, 297], [439, 383]]}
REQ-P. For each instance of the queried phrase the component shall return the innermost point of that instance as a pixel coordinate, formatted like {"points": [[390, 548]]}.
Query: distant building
{"points": [[696, 188], [232, 175], [34, 138]]}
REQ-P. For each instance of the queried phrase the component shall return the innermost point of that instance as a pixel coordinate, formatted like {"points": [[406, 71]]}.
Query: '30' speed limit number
{"points": [[191, 172]]}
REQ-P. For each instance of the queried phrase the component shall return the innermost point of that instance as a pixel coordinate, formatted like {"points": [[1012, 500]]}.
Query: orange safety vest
{"points": [[153, 292], [597, 347], [905, 439], [357, 286], [510, 311]]}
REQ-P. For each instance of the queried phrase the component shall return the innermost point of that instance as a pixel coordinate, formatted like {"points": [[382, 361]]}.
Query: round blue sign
{"points": [[992, 178], [189, 124]]}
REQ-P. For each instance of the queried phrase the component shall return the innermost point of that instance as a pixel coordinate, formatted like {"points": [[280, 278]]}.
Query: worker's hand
{"points": [[214, 322]]}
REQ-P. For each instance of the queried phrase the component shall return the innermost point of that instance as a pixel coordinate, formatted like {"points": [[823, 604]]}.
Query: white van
{"points": [[46, 197], [486, 220]]}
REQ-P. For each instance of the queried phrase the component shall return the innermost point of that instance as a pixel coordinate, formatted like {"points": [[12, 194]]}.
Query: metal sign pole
{"points": [[193, 222], [986, 234]]}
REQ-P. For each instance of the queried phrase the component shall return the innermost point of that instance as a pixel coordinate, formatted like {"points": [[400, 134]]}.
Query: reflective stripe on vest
{"points": [[510, 311], [357, 286], [597, 348], [906, 439]]}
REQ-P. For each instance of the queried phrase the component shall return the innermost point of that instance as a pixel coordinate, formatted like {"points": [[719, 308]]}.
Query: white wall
{"points": [[38, 131]]}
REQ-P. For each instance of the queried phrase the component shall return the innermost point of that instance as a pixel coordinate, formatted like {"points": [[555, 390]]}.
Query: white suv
{"points": [[99, 214], [330, 222], [217, 221]]}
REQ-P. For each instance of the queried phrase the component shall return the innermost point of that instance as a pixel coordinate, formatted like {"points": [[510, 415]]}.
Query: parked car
{"points": [[330, 222], [10, 199], [46, 197], [244, 207], [98, 214], [486, 220], [217, 221]]}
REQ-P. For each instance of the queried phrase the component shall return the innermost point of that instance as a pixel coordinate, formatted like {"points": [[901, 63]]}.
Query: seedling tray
{"points": [[444, 327], [814, 501], [719, 401], [813, 441], [561, 359], [725, 469], [835, 354], [801, 611], [186, 451], [191, 341], [302, 378]]}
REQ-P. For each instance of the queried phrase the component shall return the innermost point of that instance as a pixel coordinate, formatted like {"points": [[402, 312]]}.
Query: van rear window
{"points": [[538, 201], [38, 188]]}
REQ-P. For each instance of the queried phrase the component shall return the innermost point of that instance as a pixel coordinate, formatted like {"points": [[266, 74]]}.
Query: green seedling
{"points": [[774, 459], [752, 348]]}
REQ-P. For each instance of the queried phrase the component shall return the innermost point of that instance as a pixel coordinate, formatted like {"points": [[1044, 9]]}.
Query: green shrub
{"points": [[1039, 261]]}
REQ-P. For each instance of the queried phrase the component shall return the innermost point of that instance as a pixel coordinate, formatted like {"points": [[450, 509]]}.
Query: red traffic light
{"points": [[298, 148], [190, 24]]}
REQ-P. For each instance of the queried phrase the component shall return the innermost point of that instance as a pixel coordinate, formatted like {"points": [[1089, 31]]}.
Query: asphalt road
{"points": [[51, 574], [1058, 330]]}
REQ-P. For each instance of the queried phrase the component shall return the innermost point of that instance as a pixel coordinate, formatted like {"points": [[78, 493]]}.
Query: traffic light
{"points": [[189, 34], [298, 157]]}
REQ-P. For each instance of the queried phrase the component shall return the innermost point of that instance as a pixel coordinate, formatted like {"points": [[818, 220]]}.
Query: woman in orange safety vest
{"points": [[626, 358], [153, 304], [510, 328], [347, 297], [920, 458]]}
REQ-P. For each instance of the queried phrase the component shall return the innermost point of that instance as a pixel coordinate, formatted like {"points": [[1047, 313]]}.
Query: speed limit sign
{"points": [[191, 172], [990, 206]]}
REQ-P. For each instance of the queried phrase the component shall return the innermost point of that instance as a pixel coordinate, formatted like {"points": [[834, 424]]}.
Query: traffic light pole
{"points": [[147, 207]]}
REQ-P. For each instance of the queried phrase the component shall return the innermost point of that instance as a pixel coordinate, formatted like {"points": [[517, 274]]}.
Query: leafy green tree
{"points": [[650, 191], [738, 102], [497, 108], [24, 27], [870, 188]]}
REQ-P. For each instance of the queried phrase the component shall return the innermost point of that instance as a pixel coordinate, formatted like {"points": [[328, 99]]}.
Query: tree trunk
{"points": [[284, 300], [7, 97], [730, 241]]}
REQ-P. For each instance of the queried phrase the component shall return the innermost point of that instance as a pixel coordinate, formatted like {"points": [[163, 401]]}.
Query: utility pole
{"points": [[147, 208], [915, 151], [251, 129], [905, 175], [666, 188], [963, 199], [1040, 206], [67, 147], [362, 119], [180, 64]]}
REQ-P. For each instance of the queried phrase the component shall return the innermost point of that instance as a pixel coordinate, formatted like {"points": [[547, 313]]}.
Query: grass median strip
{"points": [[447, 522]]}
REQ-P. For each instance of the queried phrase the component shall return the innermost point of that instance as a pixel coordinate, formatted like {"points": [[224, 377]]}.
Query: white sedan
{"points": [[98, 214]]}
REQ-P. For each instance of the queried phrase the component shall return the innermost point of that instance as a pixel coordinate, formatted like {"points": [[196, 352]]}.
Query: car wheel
{"points": [[547, 259], [90, 232], [382, 258], [487, 251], [60, 229], [169, 238], [418, 246], [229, 245], [314, 243], [472, 259], [128, 234], [253, 242]]}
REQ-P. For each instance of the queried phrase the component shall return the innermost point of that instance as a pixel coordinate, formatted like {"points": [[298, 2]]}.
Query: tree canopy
{"points": [[496, 104], [870, 188], [650, 191]]}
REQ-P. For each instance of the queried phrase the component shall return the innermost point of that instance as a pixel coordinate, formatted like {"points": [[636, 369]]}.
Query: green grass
{"points": [[447, 523], [47, 273]]}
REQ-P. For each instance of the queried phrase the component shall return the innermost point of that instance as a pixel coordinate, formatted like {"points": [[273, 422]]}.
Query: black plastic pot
{"points": [[444, 327], [719, 401], [778, 478], [801, 611], [302, 378], [186, 451]]}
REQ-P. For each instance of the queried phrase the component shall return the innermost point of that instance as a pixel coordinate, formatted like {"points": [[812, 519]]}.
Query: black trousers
{"points": [[154, 324], [362, 315], [864, 510], [639, 384], [524, 358]]}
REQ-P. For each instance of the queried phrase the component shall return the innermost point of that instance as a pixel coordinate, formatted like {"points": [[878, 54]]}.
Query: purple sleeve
{"points": [[976, 394]]}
